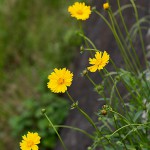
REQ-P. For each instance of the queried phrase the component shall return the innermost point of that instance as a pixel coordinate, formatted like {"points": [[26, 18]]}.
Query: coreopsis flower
{"points": [[106, 6], [80, 11], [59, 80], [99, 62], [30, 141]]}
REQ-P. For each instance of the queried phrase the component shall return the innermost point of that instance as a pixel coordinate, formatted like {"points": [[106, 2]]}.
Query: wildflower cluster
{"points": [[122, 127]]}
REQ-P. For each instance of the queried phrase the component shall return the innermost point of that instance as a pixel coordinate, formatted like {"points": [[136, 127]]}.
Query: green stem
{"points": [[119, 94], [140, 32], [107, 125], [128, 123], [128, 36], [128, 126], [74, 128], [51, 124], [116, 37], [95, 85], [87, 39], [124, 53], [120, 116], [83, 113], [91, 80], [90, 49], [89, 119], [119, 132], [123, 41], [112, 62]]}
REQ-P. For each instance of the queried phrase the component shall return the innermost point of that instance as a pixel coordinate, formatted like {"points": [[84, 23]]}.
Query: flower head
{"points": [[80, 11], [30, 141], [106, 6], [99, 62], [59, 80]]}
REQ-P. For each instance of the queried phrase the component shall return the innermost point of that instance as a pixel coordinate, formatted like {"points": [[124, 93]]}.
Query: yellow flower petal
{"points": [[106, 6], [59, 80], [92, 68], [99, 62], [98, 55], [79, 11], [30, 141]]}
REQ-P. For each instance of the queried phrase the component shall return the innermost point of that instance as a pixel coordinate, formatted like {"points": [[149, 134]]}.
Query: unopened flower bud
{"points": [[93, 8], [43, 111], [89, 148], [84, 72], [106, 6], [103, 112], [104, 106], [81, 48]]}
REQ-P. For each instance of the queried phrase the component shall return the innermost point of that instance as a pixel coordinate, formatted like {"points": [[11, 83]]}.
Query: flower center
{"points": [[30, 143], [60, 81], [98, 63], [79, 12]]}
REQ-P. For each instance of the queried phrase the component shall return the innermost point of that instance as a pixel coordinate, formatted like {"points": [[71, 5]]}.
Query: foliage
{"points": [[124, 119], [32, 119]]}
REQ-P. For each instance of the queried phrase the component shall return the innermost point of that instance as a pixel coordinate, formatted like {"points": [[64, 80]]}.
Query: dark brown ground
{"points": [[82, 89]]}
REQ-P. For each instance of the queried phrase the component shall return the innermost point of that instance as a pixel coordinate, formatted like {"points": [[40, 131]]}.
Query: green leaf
{"points": [[137, 115]]}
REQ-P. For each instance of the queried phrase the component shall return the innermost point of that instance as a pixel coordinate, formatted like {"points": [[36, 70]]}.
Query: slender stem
{"points": [[147, 85], [107, 125], [125, 56], [51, 124], [116, 37], [90, 49], [122, 39], [119, 132], [112, 62], [91, 80], [119, 94], [127, 122], [87, 39], [77, 129], [120, 116], [89, 119], [95, 85], [128, 126], [84, 114], [140, 32], [128, 36]]}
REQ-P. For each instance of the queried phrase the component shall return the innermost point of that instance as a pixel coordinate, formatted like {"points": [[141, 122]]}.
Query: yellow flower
{"points": [[106, 6], [30, 141], [99, 62], [59, 80], [80, 11]]}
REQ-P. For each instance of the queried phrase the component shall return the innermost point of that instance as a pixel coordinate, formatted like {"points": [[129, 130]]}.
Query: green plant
{"points": [[31, 118], [125, 118]]}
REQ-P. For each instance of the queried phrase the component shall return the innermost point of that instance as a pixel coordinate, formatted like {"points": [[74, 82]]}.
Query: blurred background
{"points": [[36, 36]]}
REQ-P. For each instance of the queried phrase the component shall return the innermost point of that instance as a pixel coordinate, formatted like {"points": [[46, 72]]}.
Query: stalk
{"points": [[51, 124]]}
